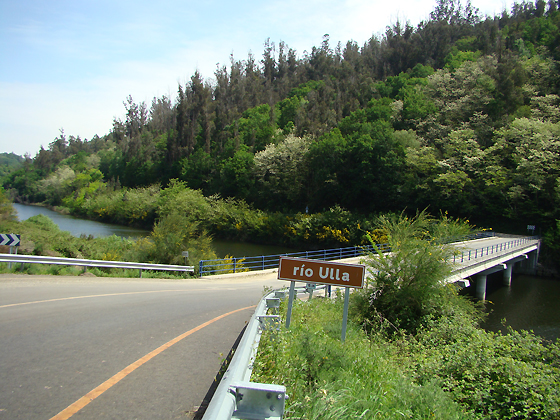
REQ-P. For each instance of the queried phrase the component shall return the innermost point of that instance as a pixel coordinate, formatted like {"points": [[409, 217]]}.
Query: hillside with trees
{"points": [[458, 114]]}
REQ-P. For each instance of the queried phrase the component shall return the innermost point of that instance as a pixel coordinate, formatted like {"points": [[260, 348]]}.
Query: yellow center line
{"points": [[93, 296], [96, 392]]}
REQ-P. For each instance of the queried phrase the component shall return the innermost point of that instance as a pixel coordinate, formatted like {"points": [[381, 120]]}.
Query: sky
{"points": [[70, 65]]}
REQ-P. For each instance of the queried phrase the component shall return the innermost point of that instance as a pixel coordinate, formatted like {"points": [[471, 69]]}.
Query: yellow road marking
{"points": [[92, 296], [93, 394]]}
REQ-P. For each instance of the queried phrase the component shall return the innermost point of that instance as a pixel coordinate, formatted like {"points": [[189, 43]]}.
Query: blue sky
{"points": [[71, 64]]}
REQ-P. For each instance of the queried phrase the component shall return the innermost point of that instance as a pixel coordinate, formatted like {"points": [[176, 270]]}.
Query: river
{"points": [[77, 227], [531, 303]]}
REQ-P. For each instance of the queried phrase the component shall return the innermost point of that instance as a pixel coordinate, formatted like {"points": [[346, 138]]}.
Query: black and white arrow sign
{"points": [[10, 239]]}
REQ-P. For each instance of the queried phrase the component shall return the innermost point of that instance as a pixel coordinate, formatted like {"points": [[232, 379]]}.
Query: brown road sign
{"points": [[322, 272]]}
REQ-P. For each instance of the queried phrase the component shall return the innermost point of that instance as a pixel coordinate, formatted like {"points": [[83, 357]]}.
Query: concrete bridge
{"points": [[476, 259], [480, 258]]}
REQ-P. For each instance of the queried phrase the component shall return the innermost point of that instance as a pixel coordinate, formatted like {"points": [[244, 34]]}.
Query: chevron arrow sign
{"points": [[10, 239]]}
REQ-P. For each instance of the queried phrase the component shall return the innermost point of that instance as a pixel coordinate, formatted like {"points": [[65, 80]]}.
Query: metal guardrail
{"points": [[34, 259], [238, 398]]}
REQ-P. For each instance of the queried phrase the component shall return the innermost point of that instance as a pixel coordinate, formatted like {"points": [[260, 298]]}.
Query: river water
{"points": [[77, 227], [531, 303]]}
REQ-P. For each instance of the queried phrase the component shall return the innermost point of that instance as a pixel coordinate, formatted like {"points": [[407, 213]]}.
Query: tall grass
{"points": [[360, 378], [451, 369]]}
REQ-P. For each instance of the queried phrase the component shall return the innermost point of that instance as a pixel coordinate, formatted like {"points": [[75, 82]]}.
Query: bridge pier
{"points": [[481, 286], [481, 279], [532, 262], [529, 259], [507, 274]]}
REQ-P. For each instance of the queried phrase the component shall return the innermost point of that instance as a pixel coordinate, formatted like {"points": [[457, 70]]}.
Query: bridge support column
{"points": [[481, 286], [532, 263], [507, 275]]}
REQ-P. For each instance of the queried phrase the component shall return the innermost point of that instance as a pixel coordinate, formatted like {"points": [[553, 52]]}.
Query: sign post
{"points": [[12, 240], [321, 272]]}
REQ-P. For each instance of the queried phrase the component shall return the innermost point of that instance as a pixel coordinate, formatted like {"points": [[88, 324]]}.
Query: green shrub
{"points": [[514, 375], [407, 286], [449, 369]]}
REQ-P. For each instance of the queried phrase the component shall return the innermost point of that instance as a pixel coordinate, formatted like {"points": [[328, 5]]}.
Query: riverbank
{"points": [[82, 227]]}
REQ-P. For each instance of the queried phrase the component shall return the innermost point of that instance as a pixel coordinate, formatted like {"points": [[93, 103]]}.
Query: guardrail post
{"points": [[263, 262], [11, 252], [234, 264], [200, 265], [273, 304]]}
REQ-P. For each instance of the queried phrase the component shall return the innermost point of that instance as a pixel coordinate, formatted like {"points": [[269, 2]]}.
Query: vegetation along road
{"points": [[107, 348]]}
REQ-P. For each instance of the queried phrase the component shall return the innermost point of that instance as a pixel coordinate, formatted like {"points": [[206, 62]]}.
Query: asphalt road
{"points": [[94, 348]]}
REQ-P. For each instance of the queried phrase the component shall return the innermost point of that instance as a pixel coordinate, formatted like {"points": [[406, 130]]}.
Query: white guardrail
{"points": [[238, 398], [34, 259]]}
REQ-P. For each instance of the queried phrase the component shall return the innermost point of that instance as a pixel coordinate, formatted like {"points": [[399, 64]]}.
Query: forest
{"points": [[459, 115]]}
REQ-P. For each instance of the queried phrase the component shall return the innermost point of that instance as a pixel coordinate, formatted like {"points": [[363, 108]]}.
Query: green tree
{"points": [[236, 174], [282, 173], [173, 234], [529, 151], [255, 128], [7, 211]]}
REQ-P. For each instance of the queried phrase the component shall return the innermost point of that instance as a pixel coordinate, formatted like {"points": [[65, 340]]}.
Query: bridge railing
{"points": [[472, 254], [264, 262], [35, 259]]}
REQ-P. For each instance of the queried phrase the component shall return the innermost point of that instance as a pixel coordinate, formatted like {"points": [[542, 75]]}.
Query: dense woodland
{"points": [[459, 114]]}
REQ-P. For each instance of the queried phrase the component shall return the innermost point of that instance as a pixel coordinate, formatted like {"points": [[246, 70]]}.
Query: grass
{"points": [[360, 378], [449, 369]]}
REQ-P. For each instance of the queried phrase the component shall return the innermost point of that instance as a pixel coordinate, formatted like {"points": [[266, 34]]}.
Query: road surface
{"points": [[106, 348]]}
